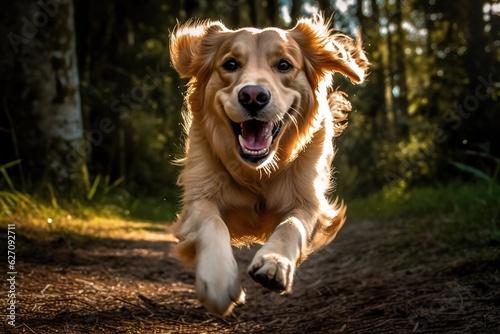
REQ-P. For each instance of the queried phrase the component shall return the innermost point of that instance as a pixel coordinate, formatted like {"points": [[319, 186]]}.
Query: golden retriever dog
{"points": [[261, 119]]}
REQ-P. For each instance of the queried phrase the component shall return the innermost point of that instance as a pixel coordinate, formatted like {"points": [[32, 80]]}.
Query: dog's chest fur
{"points": [[252, 213]]}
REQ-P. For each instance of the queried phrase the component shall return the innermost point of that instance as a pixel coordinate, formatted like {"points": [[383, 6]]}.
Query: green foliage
{"points": [[106, 201], [404, 132], [12, 202], [452, 200], [153, 209], [105, 185], [474, 171], [455, 213], [428, 58], [5, 174]]}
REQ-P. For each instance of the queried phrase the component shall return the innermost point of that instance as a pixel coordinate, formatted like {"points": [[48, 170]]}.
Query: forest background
{"points": [[90, 107]]}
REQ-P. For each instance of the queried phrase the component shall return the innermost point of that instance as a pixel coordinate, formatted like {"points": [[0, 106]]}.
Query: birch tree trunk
{"points": [[40, 91]]}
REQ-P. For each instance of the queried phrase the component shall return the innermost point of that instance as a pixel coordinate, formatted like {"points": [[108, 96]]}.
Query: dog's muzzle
{"points": [[255, 136]]}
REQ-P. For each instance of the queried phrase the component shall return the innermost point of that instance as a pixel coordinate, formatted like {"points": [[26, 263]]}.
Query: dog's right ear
{"points": [[193, 46]]}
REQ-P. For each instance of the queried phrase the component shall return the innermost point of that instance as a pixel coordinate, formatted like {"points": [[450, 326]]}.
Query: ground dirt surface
{"points": [[361, 283]]}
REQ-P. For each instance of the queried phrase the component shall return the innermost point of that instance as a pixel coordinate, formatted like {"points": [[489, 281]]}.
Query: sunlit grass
{"points": [[113, 216], [77, 229], [455, 215], [454, 200]]}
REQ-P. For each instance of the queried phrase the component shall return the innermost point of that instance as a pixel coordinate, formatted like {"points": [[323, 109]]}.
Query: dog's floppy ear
{"points": [[326, 51], [192, 46]]}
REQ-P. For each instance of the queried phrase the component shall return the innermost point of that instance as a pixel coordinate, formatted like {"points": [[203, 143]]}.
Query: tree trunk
{"points": [[273, 12], [401, 100], [191, 7], [40, 91], [388, 77], [295, 10], [479, 111], [235, 16], [253, 13], [326, 7]]}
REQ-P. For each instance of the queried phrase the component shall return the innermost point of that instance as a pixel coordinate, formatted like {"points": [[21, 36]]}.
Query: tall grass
{"points": [[47, 215], [117, 204], [106, 210], [104, 199], [12, 202], [455, 200], [456, 214]]}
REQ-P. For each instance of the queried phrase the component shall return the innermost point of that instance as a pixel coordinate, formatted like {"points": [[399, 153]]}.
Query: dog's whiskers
{"points": [[269, 168], [293, 119]]}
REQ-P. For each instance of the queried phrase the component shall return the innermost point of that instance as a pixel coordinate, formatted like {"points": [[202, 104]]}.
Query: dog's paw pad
{"points": [[273, 283], [273, 272]]}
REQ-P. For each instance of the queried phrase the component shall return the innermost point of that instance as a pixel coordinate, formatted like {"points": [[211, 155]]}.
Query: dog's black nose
{"points": [[253, 98]]}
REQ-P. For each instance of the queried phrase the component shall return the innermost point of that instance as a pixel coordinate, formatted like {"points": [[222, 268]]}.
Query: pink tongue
{"points": [[256, 135]]}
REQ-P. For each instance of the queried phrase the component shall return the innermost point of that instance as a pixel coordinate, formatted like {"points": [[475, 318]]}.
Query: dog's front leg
{"points": [[273, 266], [217, 277]]}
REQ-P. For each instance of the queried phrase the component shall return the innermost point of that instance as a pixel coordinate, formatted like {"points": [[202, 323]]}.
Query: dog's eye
{"points": [[284, 65], [230, 65]]}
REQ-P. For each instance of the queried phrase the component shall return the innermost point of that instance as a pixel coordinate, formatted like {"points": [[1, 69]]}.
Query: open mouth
{"points": [[255, 138]]}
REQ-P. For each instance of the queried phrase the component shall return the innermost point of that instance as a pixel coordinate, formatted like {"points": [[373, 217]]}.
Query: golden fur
{"points": [[280, 197]]}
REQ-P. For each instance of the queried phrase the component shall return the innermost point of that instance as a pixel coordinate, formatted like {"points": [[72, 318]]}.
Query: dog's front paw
{"points": [[218, 285], [273, 271]]}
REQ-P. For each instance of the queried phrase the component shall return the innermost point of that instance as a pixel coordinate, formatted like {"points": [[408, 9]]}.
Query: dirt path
{"points": [[357, 285]]}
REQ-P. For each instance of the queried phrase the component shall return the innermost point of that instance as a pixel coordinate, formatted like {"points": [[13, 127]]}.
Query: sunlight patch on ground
{"points": [[112, 228]]}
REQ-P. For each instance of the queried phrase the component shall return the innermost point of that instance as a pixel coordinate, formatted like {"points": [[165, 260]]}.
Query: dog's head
{"points": [[257, 91]]}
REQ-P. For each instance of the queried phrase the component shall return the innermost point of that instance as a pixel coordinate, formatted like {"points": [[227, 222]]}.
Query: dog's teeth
{"points": [[267, 132], [251, 152]]}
